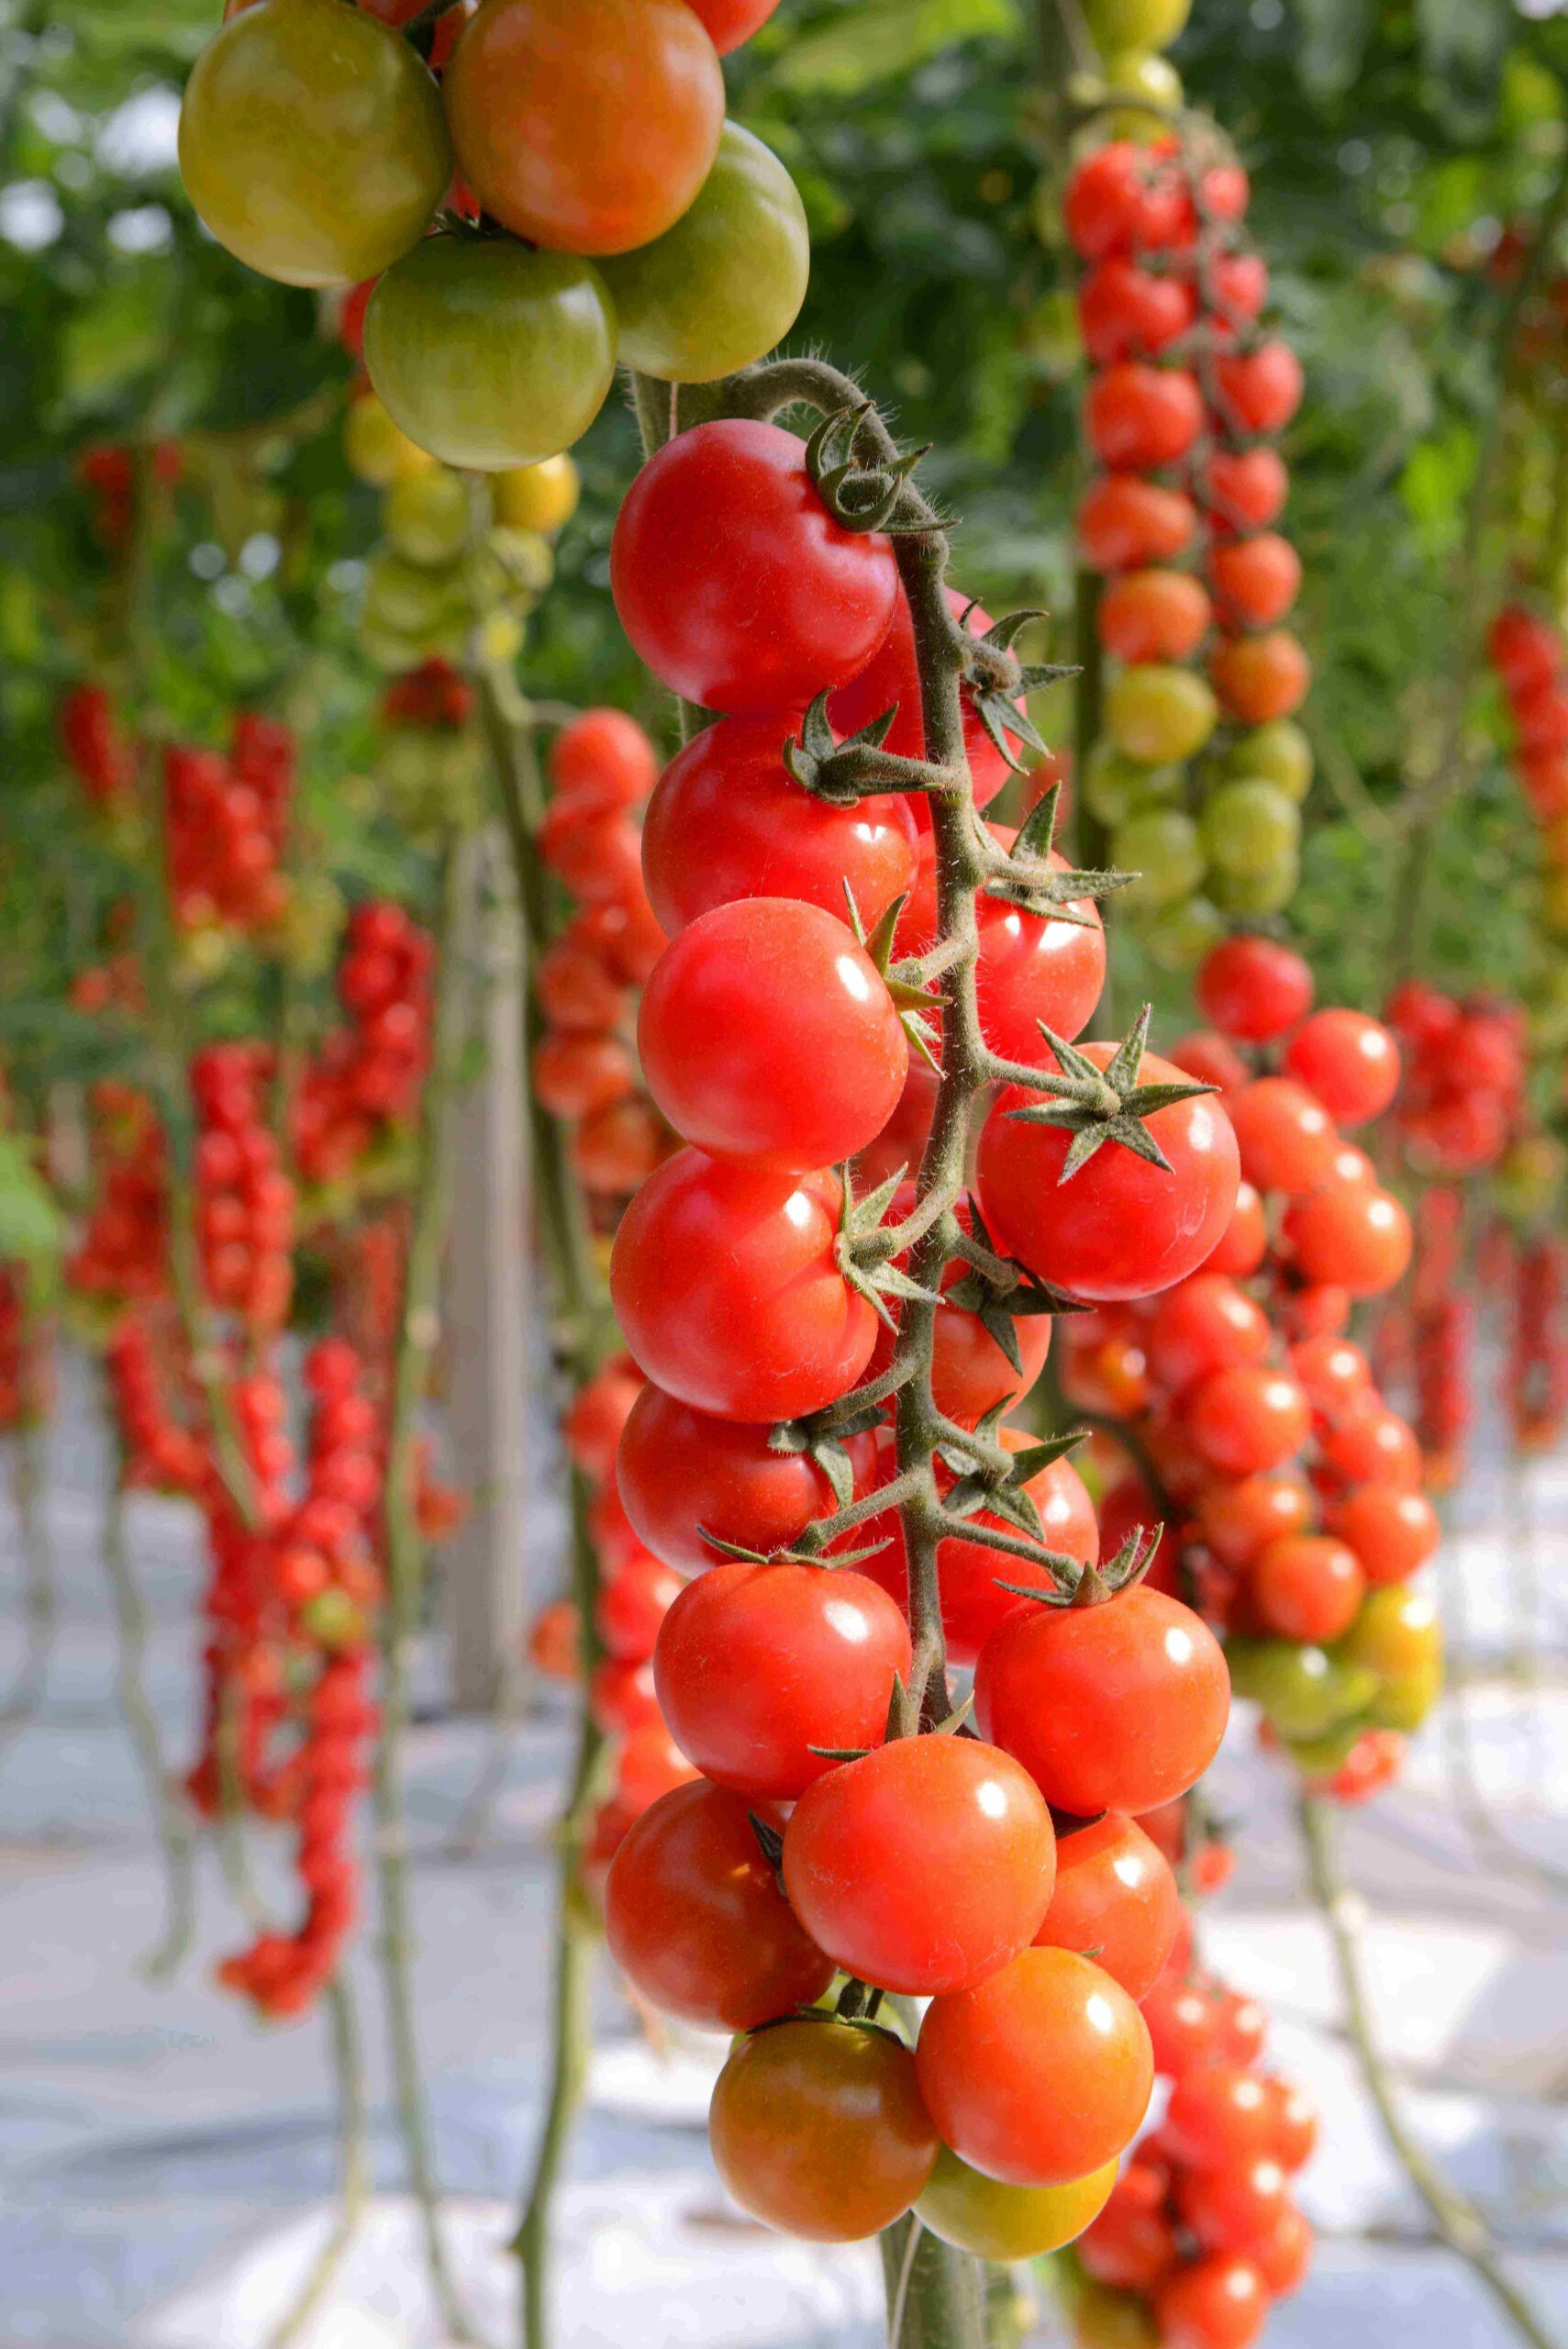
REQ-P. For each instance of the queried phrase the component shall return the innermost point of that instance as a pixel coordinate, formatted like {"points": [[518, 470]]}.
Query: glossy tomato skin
{"points": [[726, 282], [1116, 1895], [924, 1867], [1220, 2302], [680, 1471], [1008, 2222], [1125, 520], [1286, 1136], [734, 582], [1350, 1062], [1118, 1707], [1039, 2075], [725, 821], [892, 681], [585, 126], [312, 142], [1356, 1236], [1307, 1586], [1393, 1532], [1247, 1418], [1030, 969], [696, 1922], [758, 1665], [725, 1284], [767, 1033], [1119, 1228], [730, 22], [970, 1372], [488, 355], [1254, 988], [818, 2129], [1205, 1324]]}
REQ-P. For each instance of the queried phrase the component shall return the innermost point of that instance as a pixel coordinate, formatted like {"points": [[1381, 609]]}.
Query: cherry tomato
{"points": [[696, 1922], [1039, 2075], [1255, 581], [1393, 1533], [1307, 1586], [488, 354], [1216, 2303], [1258, 390], [727, 821], [1255, 989], [1157, 714], [1008, 2222], [726, 281], [1121, 198], [1334, 1374], [1237, 1519], [312, 142], [1204, 1325], [970, 1372], [1153, 616], [734, 582], [892, 681], [1116, 1899], [602, 758], [725, 1281], [763, 1671], [621, 1698], [1116, 1707], [631, 1606], [923, 1867], [682, 1472], [1125, 521], [1232, 2209], [1245, 1240], [617, 1146], [1247, 1418], [1372, 1445], [1350, 1063], [1139, 417], [1353, 1235], [730, 22], [540, 497], [1245, 489], [1135, 24], [1287, 1138], [1282, 2256], [1397, 1634], [1129, 312], [1220, 2116], [650, 1765], [818, 2129], [1119, 1227], [1032, 969], [1183, 2024], [585, 126], [1296, 2124], [1260, 677], [1133, 2244], [574, 1073]]}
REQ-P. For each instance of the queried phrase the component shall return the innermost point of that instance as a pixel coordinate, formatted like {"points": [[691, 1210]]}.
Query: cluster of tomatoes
{"points": [[1538, 1344], [1187, 393], [1463, 1081], [584, 1066], [1526, 653], [245, 1201], [123, 1250], [95, 748], [624, 216], [368, 1075]]}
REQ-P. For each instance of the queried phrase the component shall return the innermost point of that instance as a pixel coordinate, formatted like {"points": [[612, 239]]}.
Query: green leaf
{"points": [[883, 37]]}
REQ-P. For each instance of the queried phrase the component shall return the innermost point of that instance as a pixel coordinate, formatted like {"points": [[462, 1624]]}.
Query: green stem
{"points": [[354, 2184], [933, 2293]]}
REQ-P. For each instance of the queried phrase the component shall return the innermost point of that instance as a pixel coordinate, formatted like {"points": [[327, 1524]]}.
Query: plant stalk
{"points": [[353, 2193], [40, 1606]]}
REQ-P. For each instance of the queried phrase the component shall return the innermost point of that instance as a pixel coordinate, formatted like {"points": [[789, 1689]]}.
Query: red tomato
{"points": [[1125, 521], [1350, 1062], [603, 759], [600, 1409], [575, 991], [726, 821], [1229, 2209], [1247, 1418], [1121, 198], [734, 582], [1117, 1706], [1295, 2136], [682, 1470], [696, 1922], [1287, 1138], [1255, 581], [595, 852], [1131, 2246], [730, 22], [621, 1698], [1258, 390], [1240, 285], [648, 1764], [1183, 2024], [1260, 677], [1334, 1374], [1038, 2074], [1153, 616], [631, 1604], [1238, 1519], [1205, 1324], [1372, 1445], [726, 1283], [923, 1867], [902, 1141], [1116, 1899], [573, 1073], [1119, 1227], [1245, 1240], [1127, 312], [1393, 1533], [766, 1034], [1222, 2115], [1030, 968], [818, 2129], [585, 126], [1138, 418], [892, 681], [1245, 488], [1307, 1586], [758, 1665], [1254, 988], [970, 1372], [1524, 649], [618, 1145], [1356, 1237], [1282, 2256], [1216, 2303]]}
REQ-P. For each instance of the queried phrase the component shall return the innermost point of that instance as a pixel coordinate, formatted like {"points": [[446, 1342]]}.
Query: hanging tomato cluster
{"points": [[1461, 1094], [622, 214], [245, 1202], [1188, 393], [368, 1075]]}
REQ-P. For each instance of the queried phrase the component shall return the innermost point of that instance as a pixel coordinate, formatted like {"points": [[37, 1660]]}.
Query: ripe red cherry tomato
{"points": [[1287, 1138], [727, 821], [585, 126], [1139, 417], [1238, 1519], [1350, 1062], [1118, 1707], [1120, 1227], [970, 1372], [1307, 1586], [1260, 390], [1254, 988], [1115, 1896], [1230, 2210], [734, 582], [681, 1472], [923, 1867], [1372, 1445], [1245, 489], [1216, 2303], [1393, 1533], [1260, 677], [1125, 521], [1129, 312], [1256, 580], [1245, 1240], [767, 1033], [632, 1604], [1205, 1324], [696, 1922], [1131, 2246], [730, 22], [1334, 1374], [1153, 616], [1030, 968], [1122, 197], [1040, 2073], [1354, 1235], [818, 2129], [1295, 2136], [726, 1283], [574, 1073], [756, 1666], [1222, 2115], [1247, 1418], [1282, 2256], [602, 759]]}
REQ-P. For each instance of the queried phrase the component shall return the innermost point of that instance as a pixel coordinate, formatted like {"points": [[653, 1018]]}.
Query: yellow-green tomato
{"points": [[1279, 753], [1256, 893], [727, 281], [409, 598], [1160, 847], [489, 354], [426, 516], [312, 142], [1114, 785], [1396, 1632], [1301, 1689], [1138, 73], [1180, 935], [542, 498], [1104, 2318], [1249, 827], [1008, 2222], [1319, 1757], [1135, 24], [1157, 712], [377, 451]]}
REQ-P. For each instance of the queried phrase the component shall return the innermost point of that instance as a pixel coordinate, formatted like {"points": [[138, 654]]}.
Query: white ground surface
{"points": [[166, 2167]]}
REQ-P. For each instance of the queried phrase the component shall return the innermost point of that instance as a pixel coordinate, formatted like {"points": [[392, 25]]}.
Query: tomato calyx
{"points": [[1094, 1585], [1097, 1105], [1025, 876], [864, 1252], [1004, 1491], [997, 678], [861, 487], [843, 774]]}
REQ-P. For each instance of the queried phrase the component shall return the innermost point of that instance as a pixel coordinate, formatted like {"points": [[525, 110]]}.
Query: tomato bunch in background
{"points": [[622, 214], [364, 1081], [1537, 1368], [1188, 393], [1461, 1094]]}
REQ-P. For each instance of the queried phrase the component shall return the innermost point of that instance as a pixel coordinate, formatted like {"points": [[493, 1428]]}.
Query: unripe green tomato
{"points": [[1180, 935], [376, 449], [1256, 893], [1139, 74], [395, 650], [526, 561], [488, 353], [1278, 752], [1104, 2318], [333, 1620], [1303, 1690], [426, 515], [1249, 828], [1114, 785], [727, 281], [312, 142], [1319, 1757], [1396, 1632], [1160, 845], [1156, 713], [1008, 2222], [409, 597], [1135, 24], [1404, 1701]]}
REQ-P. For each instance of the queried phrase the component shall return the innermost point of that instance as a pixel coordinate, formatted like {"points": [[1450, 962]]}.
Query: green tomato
{"points": [[312, 142], [1279, 753], [409, 598], [1104, 2318], [1138, 73], [1114, 785], [1180, 935], [1008, 2222], [1303, 1690], [1256, 893], [1397, 1632], [1155, 713], [727, 281], [427, 517], [1319, 1757], [488, 353], [1135, 24], [1160, 847], [1249, 828], [1405, 1701]]}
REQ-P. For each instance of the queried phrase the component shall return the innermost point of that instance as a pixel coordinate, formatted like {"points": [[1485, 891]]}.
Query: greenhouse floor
{"points": [[166, 2167]]}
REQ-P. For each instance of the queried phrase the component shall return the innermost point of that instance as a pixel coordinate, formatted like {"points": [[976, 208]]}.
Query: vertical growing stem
{"points": [[354, 2190]]}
